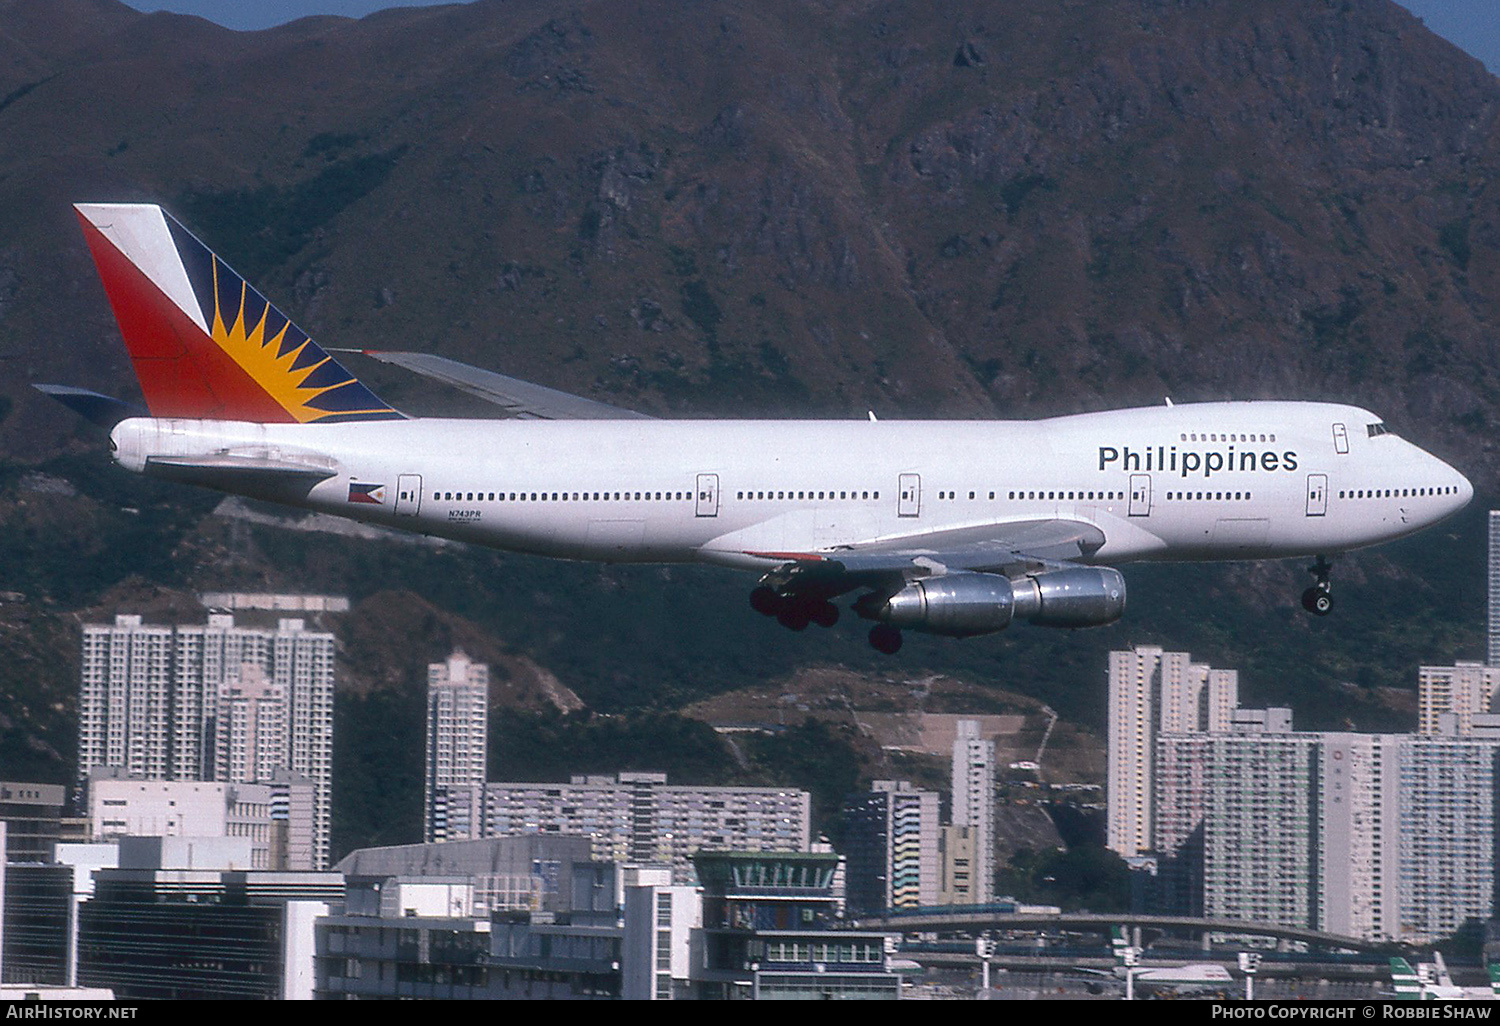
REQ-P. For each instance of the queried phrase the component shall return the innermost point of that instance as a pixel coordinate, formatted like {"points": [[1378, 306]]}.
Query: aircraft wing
{"points": [[1011, 548], [518, 398]]}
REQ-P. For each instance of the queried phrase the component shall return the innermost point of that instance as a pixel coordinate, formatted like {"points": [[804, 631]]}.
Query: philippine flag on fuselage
{"points": [[369, 494]]}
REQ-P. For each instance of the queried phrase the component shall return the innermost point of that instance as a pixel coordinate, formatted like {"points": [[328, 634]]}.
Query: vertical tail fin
{"points": [[204, 343]]}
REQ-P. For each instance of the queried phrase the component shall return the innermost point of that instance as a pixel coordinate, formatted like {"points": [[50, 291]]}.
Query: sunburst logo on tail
{"points": [[293, 370], [281, 373]]}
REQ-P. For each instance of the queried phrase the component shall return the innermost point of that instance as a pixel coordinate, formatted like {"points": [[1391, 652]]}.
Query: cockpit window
{"points": [[1377, 429]]}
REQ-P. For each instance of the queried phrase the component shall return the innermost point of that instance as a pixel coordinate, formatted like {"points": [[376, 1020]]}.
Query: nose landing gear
{"points": [[1318, 600]]}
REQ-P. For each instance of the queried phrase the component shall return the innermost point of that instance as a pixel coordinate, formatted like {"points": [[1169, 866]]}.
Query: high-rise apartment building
{"points": [[1464, 690], [125, 705], [974, 805], [214, 701], [1259, 828], [892, 840], [1447, 837], [1494, 582], [207, 658], [458, 718], [634, 817], [252, 728], [1359, 828], [1153, 692], [1134, 681], [1379, 836]]}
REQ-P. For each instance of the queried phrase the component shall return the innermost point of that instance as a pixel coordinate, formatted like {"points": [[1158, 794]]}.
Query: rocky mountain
{"points": [[979, 208]]}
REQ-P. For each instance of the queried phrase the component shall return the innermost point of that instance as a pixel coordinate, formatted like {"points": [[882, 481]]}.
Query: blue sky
{"points": [[1473, 25]]}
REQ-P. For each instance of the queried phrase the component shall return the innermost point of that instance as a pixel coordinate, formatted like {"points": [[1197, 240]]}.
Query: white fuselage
{"points": [[1190, 482]]}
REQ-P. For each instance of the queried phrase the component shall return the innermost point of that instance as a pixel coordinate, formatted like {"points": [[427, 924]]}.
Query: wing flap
{"points": [[518, 398], [1010, 548]]}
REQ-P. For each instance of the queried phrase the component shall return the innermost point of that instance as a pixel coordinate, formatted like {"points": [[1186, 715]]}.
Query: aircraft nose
{"points": [[1460, 489]]}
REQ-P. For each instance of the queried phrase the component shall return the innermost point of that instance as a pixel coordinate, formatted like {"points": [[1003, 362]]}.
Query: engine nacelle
{"points": [[966, 604], [956, 605], [1085, 596]]}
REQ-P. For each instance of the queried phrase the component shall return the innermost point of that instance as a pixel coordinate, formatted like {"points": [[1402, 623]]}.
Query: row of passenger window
{"points": [[1208, 496], [1073, 496], [1397, 493], [1226, 436], [1064, 496], [757, 496], [564, 496], [1053, 495]]}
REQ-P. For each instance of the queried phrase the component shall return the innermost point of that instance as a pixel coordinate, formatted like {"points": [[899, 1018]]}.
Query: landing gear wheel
{"points": [[766, 602], [824, 614], [1317, 601], [793, 618], [885, 638]]}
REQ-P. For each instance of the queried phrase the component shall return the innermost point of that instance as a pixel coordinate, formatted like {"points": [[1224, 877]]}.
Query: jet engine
{"points": [[966, 604]]}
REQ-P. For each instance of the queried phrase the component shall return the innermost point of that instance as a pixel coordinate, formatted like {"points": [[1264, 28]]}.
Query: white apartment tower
{"points": [[1464, 690], [252, 728], [458, 711], [1153, 692], [1387, 837], [974, 805], [1447, 835], [124, 707], [210, 702], [1133, 682], [1360, 834], [1259, 854], [1494, 581], [207, 657]]}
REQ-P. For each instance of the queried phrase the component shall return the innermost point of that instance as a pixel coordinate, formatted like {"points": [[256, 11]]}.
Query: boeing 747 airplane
{"points": [[950, 527]]}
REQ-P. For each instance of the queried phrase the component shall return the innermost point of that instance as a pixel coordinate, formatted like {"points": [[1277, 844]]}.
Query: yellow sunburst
{"points": [[257, 356]]}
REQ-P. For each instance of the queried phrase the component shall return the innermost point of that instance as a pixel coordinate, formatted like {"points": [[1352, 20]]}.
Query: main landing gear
{"points": [[794, 612], [1318, 600], [885, 638]]}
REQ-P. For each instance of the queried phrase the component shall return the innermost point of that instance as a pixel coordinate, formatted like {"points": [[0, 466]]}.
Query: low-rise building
{"points": [[153, 930]]}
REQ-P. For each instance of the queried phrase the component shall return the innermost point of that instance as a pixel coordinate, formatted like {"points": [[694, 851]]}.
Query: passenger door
{"points": [[909, 496], [1317, 495], [408, 495], [708, 495], [1140, 495]]}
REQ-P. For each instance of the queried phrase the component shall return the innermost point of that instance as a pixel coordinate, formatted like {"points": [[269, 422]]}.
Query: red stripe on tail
{"points": [[182, 371]]}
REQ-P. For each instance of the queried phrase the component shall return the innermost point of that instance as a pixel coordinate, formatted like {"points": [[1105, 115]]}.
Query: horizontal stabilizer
{"points": [[104, 410], [518, 398], [226, 470]]}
